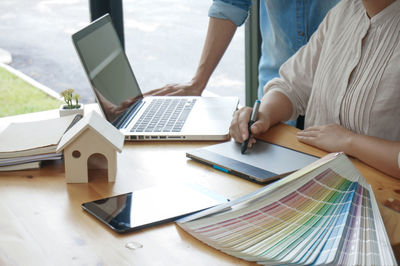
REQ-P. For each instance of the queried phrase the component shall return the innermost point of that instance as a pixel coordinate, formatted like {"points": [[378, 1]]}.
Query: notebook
{"points": [[144, 118], [263, 163]]}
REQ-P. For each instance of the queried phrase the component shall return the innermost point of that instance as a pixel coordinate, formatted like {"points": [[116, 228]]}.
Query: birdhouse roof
{"points": [[98, 124]]}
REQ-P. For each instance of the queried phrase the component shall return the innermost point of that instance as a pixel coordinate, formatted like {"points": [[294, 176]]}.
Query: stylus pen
{"points": [[253, 118]]}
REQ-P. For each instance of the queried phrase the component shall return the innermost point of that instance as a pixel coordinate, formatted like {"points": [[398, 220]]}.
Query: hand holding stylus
{"points": [[253, 118]]}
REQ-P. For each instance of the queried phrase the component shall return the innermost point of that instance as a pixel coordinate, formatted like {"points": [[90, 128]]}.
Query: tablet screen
{"points": [[151, 206]]}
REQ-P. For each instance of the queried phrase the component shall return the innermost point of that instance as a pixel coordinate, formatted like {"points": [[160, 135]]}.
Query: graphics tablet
{"points": [[263, 163], [151, 206]]}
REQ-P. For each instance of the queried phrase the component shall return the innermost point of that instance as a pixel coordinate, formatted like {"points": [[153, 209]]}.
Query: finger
{"points": [[308, 133], [310, 140], [313, 128], [153, 92], [162, 92], [150, 92], [252, 141], [178, 92], [234, 129], [243, 122], [258, 127]]}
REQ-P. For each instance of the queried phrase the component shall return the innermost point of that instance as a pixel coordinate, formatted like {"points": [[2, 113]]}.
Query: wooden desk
{"points": [[42, 222]]}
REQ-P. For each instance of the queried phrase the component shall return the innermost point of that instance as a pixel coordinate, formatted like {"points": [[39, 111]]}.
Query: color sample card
{"points": [[324, 216]]}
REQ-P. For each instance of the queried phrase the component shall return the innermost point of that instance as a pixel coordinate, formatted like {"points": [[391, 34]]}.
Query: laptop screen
{"points": [[107, 68]]}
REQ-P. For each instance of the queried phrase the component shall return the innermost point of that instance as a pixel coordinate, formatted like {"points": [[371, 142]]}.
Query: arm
{"points": [[225, 16], [287, 96], [219, 35], [379, 153]]}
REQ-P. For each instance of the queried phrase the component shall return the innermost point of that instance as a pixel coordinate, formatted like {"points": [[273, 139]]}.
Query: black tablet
{"points": [[155, 205]]}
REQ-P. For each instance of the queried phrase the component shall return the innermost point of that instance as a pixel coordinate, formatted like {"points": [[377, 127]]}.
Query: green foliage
{"points": [[19, 97], [69, 95]]}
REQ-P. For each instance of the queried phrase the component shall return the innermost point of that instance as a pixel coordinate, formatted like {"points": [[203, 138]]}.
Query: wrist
{"points": [[265, 114], [265, 119], [349, 143], [197, 85]]}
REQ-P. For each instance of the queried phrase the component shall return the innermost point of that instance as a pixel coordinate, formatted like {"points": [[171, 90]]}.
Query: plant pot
{"points": [[64, 111]]}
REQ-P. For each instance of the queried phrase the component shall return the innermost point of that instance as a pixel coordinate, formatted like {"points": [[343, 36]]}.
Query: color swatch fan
{"points": [[325, 213]]}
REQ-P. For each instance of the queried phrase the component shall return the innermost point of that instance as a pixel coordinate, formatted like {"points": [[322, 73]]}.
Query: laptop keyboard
{"points": [[164, 115]]}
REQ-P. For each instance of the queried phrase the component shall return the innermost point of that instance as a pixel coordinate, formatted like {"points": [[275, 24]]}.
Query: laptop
{"points": [[145, 118]]}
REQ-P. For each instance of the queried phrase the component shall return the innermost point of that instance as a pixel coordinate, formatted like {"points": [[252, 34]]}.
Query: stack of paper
{"points": [[325, 213], [25, 145]]}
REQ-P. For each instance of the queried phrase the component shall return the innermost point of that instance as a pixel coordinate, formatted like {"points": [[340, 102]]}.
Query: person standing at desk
{"points": [[346, 81], [285, 26]]}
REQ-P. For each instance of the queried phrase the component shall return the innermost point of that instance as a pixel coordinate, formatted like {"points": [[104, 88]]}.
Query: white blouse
{"points": [[349, 72]]}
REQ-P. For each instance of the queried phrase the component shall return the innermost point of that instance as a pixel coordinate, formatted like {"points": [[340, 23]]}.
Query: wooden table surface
{"points": [[42, 222]]}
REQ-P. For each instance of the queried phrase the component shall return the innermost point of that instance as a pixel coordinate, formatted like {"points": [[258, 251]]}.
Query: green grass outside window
{"points": [[19, 97]]}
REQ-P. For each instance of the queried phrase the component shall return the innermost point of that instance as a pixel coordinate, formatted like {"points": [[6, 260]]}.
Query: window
{"points": [[164, 41]]}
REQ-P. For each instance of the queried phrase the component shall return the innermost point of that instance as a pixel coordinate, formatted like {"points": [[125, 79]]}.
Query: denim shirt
{"points": [[285, 26]]}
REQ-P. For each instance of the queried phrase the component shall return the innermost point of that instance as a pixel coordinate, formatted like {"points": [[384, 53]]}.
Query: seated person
{"points": [[346, 81]]}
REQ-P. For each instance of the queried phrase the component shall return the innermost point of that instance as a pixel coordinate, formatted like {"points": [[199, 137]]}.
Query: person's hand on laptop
{"points": [[185, 89]]}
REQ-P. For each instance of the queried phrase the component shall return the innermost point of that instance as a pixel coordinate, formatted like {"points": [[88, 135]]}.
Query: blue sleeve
{"points": [[234, 10]]}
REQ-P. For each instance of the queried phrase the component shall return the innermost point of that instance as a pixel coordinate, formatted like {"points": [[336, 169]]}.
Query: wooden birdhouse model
{"points": [[90, 136]]}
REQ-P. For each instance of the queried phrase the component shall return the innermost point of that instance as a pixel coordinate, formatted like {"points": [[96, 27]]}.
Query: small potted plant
{"points": [[70, 108]]}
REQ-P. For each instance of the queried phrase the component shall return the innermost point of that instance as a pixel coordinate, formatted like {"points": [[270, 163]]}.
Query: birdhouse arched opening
{"points": [[97, 167]]}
